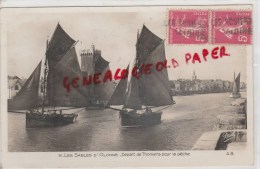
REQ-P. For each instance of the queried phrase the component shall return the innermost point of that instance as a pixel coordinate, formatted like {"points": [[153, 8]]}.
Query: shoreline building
{"points": [[198, 86], [14, 85]]}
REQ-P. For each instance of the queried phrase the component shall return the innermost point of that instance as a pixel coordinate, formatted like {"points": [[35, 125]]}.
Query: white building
{"points": [[14, 85]]}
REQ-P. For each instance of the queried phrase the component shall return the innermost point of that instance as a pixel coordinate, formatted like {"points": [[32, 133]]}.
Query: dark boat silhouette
{"points": [[140, 95], [236, 87], [61, 60]]}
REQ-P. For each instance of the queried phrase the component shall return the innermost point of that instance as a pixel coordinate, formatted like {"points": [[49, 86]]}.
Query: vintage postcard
{"points": [[151, 86]]}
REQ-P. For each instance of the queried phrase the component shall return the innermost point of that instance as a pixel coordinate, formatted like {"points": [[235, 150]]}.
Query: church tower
{"points": [[194, 77], [89, 58], [87, 62]]}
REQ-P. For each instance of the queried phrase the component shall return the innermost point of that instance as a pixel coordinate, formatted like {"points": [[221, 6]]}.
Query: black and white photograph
{"points": [[128, 83]]}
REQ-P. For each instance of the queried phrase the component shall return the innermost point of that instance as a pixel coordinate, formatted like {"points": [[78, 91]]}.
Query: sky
{"points": [[114, 32]]}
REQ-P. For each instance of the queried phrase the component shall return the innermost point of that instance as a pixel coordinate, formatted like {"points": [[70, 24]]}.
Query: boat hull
{"points": [[234, 95], [132, 119], [48, 120]]}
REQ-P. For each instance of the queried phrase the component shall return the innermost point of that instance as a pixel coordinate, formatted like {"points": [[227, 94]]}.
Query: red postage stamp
{"points": [[231, 27], [188, 27]]}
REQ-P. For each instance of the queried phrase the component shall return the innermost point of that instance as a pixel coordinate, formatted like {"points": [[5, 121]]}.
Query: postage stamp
{"points": [[188, 27], [233, 27]]}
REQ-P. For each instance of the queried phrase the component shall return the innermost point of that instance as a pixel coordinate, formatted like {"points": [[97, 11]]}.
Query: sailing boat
{"points": [[27, 97], [139, 95], [236, 87], [93, 63], [61, 60]]}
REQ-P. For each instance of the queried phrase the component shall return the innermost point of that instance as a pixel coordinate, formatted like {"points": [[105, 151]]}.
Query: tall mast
{"points": [[93, 56], [45, 78], [138, 64], [137, 58]]}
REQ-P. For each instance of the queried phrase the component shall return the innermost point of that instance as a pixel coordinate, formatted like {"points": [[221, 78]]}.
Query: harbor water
{"points": [[99, 130]]}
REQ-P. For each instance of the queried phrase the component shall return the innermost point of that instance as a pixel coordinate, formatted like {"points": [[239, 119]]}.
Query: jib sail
{"points": [[27, 97]]}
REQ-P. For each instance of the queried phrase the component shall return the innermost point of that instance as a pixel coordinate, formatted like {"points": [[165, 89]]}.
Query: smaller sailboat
{"points": [[93, 63], [141, 94], [27, 98], [236, 87]]}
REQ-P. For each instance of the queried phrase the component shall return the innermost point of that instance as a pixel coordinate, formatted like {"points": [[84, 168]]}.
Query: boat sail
{"points": [[61, 62], [94, 63], [23, 99], [144, 90], [236, 87], [103, 91], [119, 95]]}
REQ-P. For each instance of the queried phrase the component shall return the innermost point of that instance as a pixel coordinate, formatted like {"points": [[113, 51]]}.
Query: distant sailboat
{"points": [[93, 63], [236, 87], [61, 60], [139, 95]]}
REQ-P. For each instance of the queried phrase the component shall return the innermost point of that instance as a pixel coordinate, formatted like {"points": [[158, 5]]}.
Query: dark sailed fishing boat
{"points": [[92, 63], [140, 95], [61, 61], [236, 87]]}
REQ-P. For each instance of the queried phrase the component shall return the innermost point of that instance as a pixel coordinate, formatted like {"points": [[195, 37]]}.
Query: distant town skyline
{"points": [[115, 35]]}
